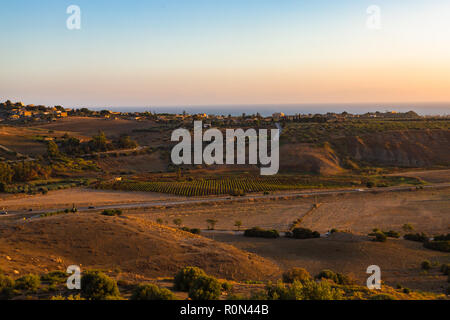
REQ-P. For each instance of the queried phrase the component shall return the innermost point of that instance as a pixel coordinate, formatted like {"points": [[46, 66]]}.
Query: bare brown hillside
{"points": [[399, 148], [309, 158], [135, 245], [409, 148]]}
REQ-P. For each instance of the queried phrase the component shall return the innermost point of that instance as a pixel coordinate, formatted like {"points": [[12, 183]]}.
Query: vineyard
{"points": [[228, 186]]}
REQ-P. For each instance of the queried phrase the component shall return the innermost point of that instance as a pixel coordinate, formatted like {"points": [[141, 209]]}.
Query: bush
{"points": [[112, 213], [310, 290], [443, 237], [407, 227], [296, 274], [70, 297], [327, 274], [370, 184], [6, 287], [193, 231], [96, 285], [445, 268], [304, 233], [426, 265], [43, 190], [320, 291], [383, 296], [152, 292], [337, 278], [186, 277], [392, 234], [226, 286], [380, 237], [29, 282], [261, 233], [205, 288], [443, 246], [54, 277], [419, 237]]}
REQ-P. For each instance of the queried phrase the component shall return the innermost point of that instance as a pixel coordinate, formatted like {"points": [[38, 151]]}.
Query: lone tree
{"points": [[407, 227], [238, 224], [211, 224], [177, 222], [52, 149]]}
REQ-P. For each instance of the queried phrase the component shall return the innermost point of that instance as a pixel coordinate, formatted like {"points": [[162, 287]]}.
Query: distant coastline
{"points": [[268, 109]]}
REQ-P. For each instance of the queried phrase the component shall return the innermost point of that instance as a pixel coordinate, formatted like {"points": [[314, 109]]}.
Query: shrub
{"points": [[337, 278], [6, 287], [54, 277], [327, 274], [445, 268], [296, 274], [383, 296], [426, 265], [152, 292], [279, 291], [29, 282], [177, 222], [407, 227], [193, 231], [344, 279], [380, 237], [370, 184], [419, 237], [320, 291], [304, 233], [443, 246], [309, 290], [96, 285], [443, 237], [71, 297], [186, 277], [392, 234], [226, 286], [261, 233], [112, 212], [205, 288]]}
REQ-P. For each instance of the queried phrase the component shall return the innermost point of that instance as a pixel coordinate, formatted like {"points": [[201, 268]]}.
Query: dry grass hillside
{"points": [[136, 246], [408, 148], [351, 254], [398, 148], [309, 158]]}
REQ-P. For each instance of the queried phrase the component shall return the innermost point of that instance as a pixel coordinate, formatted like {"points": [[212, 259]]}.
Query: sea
{"points": [[423, 109]]}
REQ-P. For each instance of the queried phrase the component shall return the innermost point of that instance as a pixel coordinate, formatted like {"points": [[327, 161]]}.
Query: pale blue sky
{"points": [[172, 52]]}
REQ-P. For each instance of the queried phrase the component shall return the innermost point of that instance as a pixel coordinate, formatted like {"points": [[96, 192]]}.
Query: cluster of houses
{"points": [[17, 111]]}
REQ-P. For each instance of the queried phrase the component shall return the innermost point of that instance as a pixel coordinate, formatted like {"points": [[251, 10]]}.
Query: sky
{"points": [[223, 52]]}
